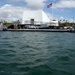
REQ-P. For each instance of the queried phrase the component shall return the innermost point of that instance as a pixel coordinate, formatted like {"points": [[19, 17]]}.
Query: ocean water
{"points": [[37, 53]]}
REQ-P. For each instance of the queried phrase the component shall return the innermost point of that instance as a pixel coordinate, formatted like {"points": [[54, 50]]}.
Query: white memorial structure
{"points": [[35, 17]]}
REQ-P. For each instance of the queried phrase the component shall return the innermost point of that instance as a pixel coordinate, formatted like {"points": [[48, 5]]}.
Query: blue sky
{"points": [[62, 9]]}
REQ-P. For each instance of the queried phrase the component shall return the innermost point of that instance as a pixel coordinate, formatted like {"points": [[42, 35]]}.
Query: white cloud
{"points": [[65, 4], [38, 4], [8, 12], [35, 4]]}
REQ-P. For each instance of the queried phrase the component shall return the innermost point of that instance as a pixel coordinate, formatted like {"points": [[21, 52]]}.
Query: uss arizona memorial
{"points": [[37, 17]]}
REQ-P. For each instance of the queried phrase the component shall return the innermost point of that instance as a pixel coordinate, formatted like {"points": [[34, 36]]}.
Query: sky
{"points": [[12, 10]]}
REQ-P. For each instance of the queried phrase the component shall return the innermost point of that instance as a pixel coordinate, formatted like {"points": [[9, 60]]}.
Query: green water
{"points": [[37, 53]]}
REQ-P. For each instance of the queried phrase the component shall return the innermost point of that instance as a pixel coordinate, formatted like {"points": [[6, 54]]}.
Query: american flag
{"points": [[49, 5]]}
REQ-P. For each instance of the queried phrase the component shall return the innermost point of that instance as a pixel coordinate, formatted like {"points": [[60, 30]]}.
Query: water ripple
{"points": [[36, 53]]}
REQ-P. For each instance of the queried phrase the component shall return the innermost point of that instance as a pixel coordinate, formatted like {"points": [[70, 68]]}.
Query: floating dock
{"points": [[40, 30]]}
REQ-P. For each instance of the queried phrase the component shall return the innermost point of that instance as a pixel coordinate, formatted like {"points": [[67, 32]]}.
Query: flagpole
{"points": [[50, 6], [52, 11]]}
